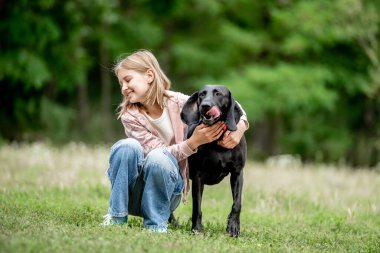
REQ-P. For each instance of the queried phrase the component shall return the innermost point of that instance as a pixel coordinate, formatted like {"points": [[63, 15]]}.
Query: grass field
{"points": [[52, 200]]}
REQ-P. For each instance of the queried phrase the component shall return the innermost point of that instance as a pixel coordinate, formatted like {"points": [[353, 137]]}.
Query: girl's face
{"points": [[134, 85]]}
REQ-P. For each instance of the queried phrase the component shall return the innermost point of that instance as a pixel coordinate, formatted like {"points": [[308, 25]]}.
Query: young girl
{"points": [[148, 170]]}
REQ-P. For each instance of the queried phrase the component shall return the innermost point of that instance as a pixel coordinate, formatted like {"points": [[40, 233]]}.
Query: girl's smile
{"points": [[134, 85]]}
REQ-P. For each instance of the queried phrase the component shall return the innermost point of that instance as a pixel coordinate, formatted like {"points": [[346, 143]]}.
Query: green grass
{"points": [[52, 200]]}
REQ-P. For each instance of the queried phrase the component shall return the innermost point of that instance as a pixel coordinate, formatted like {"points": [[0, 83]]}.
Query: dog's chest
{"points": [[211, 165]]}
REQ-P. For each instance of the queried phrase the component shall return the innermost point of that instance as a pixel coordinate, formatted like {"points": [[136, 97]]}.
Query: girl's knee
{"points": [[126, 147], [157, 156], [161, 159], [129, 143]]}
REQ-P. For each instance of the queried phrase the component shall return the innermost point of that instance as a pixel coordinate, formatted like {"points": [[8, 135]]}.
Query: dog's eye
{"points": [[202, 94], [218, 94]]}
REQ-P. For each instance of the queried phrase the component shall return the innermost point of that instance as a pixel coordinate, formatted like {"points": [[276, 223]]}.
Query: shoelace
{"points": [[107, 220]]}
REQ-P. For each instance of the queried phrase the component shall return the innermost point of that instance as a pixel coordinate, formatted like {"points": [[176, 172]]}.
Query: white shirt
{"points": [[164, 126]]}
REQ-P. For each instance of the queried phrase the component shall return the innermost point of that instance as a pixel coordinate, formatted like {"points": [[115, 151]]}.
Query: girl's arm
{"points": [[243, 117], [231, 139], [149, 141]]}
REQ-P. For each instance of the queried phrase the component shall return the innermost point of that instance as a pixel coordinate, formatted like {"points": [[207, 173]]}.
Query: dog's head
{"points": [[210, 105]]}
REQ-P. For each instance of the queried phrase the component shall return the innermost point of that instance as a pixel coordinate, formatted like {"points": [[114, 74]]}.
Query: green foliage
{"points": [[26, 67], [55, 119], [288, 87], [309, 68]]}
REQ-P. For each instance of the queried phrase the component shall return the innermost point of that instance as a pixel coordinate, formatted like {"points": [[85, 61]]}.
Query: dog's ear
{"points": [[190, 112], [233, 114]]}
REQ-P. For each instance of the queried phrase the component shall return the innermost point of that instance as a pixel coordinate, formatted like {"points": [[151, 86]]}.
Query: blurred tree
{"points": [[27, 29], [324, 68], [306, 72], [346, 45]]}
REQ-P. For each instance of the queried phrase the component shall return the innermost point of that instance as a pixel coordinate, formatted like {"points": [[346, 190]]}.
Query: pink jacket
{"points": [[137, 126]]}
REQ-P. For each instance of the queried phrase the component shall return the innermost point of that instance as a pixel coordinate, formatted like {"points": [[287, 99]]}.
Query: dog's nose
{"points": [[205, 107]]}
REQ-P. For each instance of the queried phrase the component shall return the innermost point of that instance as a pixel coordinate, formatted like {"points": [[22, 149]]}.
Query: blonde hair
{"points": [[142, 61]]}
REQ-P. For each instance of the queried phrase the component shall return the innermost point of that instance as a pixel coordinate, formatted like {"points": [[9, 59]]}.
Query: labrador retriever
{"points": [[212, 162]]}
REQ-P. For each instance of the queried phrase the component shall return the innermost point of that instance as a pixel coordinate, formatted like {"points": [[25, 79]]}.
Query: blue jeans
{"points": [[148, 187]]}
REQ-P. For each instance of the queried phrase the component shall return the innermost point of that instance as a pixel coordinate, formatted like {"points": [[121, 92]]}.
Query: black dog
{"points": [[212, 162]]}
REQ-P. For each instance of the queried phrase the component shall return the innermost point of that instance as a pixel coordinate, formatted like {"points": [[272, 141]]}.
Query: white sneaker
{"points": [[108, 221]]}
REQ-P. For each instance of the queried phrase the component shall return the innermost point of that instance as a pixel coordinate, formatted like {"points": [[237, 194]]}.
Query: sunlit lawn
{"points": [[52, 200]]}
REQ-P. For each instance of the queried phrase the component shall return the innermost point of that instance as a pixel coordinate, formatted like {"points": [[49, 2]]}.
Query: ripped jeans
{"points": [[148, 187]]}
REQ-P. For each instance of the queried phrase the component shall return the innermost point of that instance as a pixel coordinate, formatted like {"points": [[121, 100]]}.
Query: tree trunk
{"points": [[265, 136], [83, 108]]}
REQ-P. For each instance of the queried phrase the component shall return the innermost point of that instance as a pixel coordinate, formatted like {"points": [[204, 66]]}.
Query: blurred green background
{"points": [[306, 72]]}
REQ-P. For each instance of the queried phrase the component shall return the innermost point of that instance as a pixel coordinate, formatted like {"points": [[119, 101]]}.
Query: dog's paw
{"points": [[233, 231], [233, 228], [197, 230]]}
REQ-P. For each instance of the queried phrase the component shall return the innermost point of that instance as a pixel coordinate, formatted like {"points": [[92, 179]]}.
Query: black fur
{"points": [[212, 162]]}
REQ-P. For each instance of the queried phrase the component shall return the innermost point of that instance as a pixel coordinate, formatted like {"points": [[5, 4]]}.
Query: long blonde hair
{"points": [[142, 61]]}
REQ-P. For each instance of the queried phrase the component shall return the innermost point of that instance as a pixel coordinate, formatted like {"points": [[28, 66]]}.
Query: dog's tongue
{"points": [[213, 112]]}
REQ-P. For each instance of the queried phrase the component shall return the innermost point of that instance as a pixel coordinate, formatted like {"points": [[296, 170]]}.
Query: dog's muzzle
{"points": [[211, 116]]}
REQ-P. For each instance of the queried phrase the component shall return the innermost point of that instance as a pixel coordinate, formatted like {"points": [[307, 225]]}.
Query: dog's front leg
{"points": [[233, 226], [197, 192]]}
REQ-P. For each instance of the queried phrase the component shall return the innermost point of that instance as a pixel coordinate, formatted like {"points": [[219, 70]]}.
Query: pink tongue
{"points": [[213, 112]]}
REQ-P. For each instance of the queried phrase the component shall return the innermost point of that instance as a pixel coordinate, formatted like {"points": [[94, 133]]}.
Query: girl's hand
{"points": [[232, 139], [205, 134]]}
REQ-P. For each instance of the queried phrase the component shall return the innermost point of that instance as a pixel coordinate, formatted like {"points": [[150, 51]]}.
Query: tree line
{"points": [[306, 72]]}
